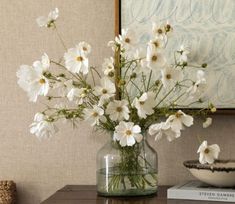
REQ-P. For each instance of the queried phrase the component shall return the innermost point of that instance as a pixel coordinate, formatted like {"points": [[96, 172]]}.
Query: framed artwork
{"points": [[206, 26]]}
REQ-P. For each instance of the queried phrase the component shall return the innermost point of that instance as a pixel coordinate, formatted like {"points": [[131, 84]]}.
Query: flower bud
{"points": [[122, 82], [111, 74], [133, 75], [157, 83], [212, 108]]}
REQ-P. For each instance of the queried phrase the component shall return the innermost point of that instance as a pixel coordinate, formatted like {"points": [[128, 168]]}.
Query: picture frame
{"points": [[228, 108]]}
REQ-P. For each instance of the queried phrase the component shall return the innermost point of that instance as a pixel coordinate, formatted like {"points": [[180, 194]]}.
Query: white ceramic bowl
{"points": [[219, 174]]}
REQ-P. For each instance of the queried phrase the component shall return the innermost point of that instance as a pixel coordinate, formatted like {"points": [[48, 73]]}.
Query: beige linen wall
{"points": [[40, 168]]}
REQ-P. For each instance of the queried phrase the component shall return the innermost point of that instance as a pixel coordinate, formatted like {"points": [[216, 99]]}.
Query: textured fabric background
{"points": [[41, 168]]}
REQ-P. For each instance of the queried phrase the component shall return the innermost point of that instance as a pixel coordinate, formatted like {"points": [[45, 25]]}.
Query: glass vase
{"points": [[127, 171]]}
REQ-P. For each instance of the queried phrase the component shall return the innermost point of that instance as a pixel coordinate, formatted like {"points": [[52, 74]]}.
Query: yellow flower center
{"points": [[168, 28], [156, 43], [160, 31], [178, 115], [127, 40], [154, 58], [119, 109], [104, 91], [42, 81], [95, 114], [84, 48], [128, 132], [206, 151], [168, 76], [79, 59]]}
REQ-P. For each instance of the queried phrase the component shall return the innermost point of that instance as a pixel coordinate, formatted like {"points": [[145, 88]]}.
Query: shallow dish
{"points": [[219, 174]]}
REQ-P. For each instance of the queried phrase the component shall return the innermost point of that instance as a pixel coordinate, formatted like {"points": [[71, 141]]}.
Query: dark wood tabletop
{"points": [[84, 194]]}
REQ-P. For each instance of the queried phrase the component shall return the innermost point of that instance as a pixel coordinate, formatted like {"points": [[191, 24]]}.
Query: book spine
{"points": [[201, 195]]}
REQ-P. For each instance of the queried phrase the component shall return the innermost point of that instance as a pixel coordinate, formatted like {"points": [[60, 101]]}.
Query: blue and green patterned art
{"points": [[207, 26]]}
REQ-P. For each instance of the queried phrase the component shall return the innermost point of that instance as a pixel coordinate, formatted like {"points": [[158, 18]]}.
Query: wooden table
{"points": [[83, 194]]}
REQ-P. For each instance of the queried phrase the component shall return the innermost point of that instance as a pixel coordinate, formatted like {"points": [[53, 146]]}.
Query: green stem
{"points": [[150, 76], [60, 38]]}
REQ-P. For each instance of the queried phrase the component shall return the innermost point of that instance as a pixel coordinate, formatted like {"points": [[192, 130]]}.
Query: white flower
{"points": [[85, 47], [44, 64], [199, 86], [108, 66], [184, 52], [32, 79], [207, 123], [157, 42], [94, 115], [163, 129], [118, 110], [42, 128], [145, 104], [105, 91], [77, 95], [170, 76], [76, 60], [159, 30], [208, 153], [48, 21], [179, 119], [113, 44], [127, 133], [155, 58], [127, 39]]}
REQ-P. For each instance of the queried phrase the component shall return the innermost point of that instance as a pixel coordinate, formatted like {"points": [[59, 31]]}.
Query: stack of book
{"points": [[196, 190]]}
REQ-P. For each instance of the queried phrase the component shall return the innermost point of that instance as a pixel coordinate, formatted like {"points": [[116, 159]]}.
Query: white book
{"points": [[196, 190]]}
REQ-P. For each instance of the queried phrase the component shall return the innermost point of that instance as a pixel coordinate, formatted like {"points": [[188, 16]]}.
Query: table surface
{"points": [[86, 194]]}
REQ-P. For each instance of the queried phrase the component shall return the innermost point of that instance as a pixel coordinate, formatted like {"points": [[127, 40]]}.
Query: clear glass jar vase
{"points": [[127, 171]]}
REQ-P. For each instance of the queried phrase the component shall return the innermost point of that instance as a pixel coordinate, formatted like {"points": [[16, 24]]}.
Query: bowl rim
{"points": [[195, 164]]}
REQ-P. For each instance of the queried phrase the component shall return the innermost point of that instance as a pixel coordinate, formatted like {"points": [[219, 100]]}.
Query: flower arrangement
{"points": [[140, 91]]}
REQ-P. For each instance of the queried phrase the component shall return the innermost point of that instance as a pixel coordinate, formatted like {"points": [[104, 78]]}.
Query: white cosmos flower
{"points": [[42, 128], [85, 47], [170, 76], [113, 44], [127, 133], [48, 21], [155, 58], [163, 129], [108, 66], [184, 52], [207, 123], [199, 86], [179, 119], [159, 31], [76, 59], [208, 153], [118, 110], [94, 115], [77, 95], [127, 39], [145, 104], [157, 42], [32, 79], [105, 91]]}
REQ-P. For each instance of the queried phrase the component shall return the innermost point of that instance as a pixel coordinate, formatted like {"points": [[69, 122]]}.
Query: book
{"points": [[196, 190]]}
